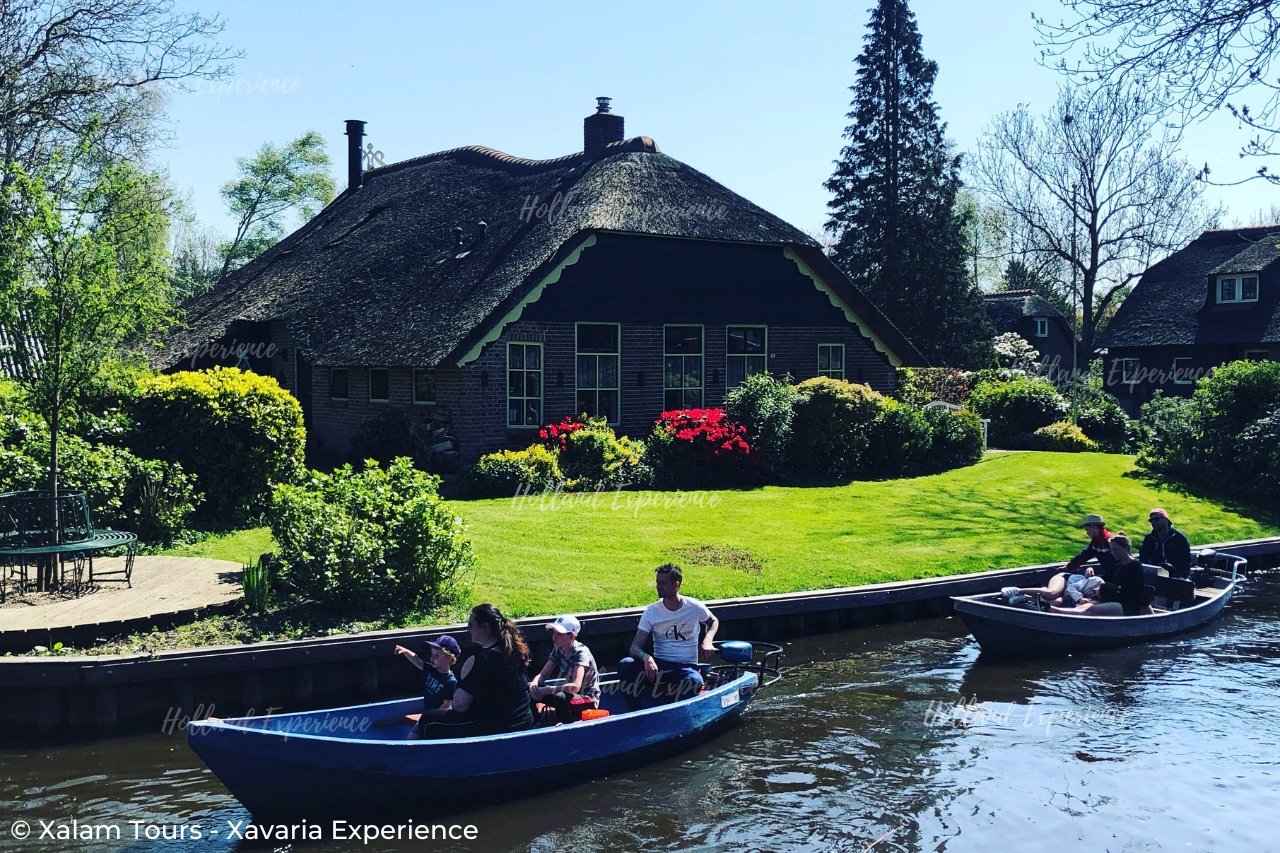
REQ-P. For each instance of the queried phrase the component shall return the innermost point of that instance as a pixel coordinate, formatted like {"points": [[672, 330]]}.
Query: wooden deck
{"points": [[162, 587]]}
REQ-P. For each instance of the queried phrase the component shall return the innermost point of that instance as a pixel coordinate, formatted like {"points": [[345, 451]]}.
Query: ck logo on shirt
{"points": [[673, 633]]}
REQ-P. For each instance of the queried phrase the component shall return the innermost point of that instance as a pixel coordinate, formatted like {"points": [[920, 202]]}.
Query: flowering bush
{"points": [[702, 448], [556, 436], [594, 457], [1013, 352], [505, 473]]}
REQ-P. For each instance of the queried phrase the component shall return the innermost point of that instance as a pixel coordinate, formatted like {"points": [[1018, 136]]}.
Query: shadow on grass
{"points": [[1203, 491]]}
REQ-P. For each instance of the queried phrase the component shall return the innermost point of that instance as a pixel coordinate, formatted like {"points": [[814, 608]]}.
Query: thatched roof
{"points": [[10, 367], [1172, 303], [379, 277], [1006, 308]]}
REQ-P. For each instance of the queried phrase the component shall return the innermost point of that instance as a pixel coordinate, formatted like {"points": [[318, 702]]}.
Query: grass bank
{"points": [[543, 554], [539, 555]]}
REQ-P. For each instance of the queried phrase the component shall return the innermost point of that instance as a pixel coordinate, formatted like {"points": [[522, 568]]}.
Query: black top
{"points": [[499, 691], [1174, 553], [1126, 583]]}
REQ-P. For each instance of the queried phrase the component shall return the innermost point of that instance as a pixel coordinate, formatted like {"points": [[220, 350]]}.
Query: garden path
{"points": [[162, 586]]}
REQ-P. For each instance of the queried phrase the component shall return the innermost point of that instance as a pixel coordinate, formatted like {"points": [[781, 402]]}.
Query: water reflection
{"points": [[899, 736]]}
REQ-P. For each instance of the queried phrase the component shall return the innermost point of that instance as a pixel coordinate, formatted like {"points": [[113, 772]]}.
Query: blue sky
{"points": [[751, 93]]}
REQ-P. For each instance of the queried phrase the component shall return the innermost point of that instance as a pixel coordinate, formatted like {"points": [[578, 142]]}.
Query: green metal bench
{"points": [[30, 539]]}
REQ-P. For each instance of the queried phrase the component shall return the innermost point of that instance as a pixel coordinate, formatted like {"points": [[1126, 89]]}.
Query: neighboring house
{"points": [[1217, 300], [494, 294], [10, 363], [1037, 321]]}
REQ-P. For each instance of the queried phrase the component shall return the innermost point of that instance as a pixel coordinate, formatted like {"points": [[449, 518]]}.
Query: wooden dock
{"points": [[164, 588]]}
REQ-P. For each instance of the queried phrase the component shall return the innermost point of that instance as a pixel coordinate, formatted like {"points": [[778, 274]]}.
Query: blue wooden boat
{"points": [[359, 761], [1006, 631]]}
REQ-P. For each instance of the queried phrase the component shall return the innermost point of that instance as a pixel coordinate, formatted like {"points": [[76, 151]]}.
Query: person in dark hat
{"points": [[438, 680], [1166, 546]]}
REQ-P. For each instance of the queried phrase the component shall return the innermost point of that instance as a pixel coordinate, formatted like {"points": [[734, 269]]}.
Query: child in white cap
{"points": [[573, 662]]}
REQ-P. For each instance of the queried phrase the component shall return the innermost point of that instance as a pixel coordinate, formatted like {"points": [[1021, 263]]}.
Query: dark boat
{"points": [[1013, 631], [359, 761]]}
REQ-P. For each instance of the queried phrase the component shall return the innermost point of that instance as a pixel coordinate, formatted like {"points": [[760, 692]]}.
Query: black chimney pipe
{"points": [[355, 154], [600, 129]]}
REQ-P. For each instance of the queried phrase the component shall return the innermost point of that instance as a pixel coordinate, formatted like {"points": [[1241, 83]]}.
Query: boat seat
{"points": [[1177, 592]]}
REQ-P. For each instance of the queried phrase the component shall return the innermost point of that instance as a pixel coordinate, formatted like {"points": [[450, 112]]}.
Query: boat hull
{"points": [[316, 765], [1014, 632]]}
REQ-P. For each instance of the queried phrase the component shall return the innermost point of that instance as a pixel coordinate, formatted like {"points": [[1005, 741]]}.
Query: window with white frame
{"points": [[1237, 288], [598, 354], [1181, 373], [681, 367], [524, 384], [1042, 327], [831, 360], [339, 385], [379, 385], [1129, 370], [424, 386], [746, 352]]}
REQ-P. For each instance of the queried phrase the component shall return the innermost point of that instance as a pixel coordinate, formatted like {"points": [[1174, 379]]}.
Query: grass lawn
{"points": [[547, 554], [240, 546]]}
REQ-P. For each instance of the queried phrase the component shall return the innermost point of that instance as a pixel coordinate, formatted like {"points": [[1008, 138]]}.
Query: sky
{"points": [[752, 93]]}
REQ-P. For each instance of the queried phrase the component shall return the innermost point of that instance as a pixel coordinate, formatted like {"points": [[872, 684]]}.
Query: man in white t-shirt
{"points": [[673, 623]]}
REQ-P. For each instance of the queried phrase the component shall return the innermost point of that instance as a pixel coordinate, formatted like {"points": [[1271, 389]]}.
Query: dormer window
{"points": [[1042, 327], [1237, 288]]}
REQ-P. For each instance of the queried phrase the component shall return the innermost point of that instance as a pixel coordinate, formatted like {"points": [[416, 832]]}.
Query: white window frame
{"points": [[702, 370], [1127, 364], [347, 372], [746, 357], [1181, 372], [1042, 327], [830, 371], [1237, 285], [524, 371], [416, 371], [369, 378], [617, 375]]}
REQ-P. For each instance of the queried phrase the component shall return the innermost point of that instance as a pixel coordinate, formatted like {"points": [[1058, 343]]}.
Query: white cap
{"points": [[565, 625]]}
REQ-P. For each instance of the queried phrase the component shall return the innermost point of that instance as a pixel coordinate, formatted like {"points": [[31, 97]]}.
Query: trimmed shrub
{"points": [[1170, 429], [378, 537], [832, 427], [594, 457], [1062, 437], [239, 433], [701, 449], [900, 442], [1100, 417], [955, 439], [1257, 456], [507, 473], [766, 407], [920, 386], [1016, 408]]}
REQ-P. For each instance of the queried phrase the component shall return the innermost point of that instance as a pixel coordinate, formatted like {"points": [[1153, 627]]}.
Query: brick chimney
{"points": [[600, 129], [355, 154]]}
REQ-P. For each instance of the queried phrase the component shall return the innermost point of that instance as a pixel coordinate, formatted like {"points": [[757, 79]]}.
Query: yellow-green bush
{"points": [[505, 473], [1063, 437], [238, 432]]}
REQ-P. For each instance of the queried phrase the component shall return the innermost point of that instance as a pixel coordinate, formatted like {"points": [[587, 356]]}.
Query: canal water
{"points": [[896, 738]]}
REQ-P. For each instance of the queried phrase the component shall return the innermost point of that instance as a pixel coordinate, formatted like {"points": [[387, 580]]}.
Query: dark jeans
{"points": [[562, 703], [675, 681]]}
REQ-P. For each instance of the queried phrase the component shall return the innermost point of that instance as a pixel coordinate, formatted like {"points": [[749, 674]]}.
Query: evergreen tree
{"points": [[895, 186]]}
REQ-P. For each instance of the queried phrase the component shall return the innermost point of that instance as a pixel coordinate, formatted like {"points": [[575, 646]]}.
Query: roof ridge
{"points": [[485, 154], [1003, 294]]}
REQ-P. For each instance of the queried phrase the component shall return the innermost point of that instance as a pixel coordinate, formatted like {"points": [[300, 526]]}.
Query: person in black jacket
{"points": [[1129, 580], [1166, 546]]}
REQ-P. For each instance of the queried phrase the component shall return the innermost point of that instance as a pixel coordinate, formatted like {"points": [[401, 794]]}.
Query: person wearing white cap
{"points": [[573, 662]]}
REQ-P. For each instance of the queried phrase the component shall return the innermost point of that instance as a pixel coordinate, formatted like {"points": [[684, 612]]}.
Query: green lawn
{"points": [[241, 546], [541, 555]]}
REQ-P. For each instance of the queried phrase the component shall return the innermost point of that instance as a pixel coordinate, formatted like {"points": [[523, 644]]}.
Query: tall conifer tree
{"points": [[893, 214]]}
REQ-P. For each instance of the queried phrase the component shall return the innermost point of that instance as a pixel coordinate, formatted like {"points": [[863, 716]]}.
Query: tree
{"points": [[271, 184], [84, 73], [1098, 185], [1018, 275], [986, 238], [894, 186], [1195, 56], [82, 277]]}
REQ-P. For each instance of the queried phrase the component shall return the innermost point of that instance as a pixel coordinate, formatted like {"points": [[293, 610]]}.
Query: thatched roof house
{"points": [[1217, 300], [414, 285], [1026, 313]]}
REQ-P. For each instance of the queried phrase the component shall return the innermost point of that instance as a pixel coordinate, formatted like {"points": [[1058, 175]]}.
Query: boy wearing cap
{"points": [[1166, 546], [573, 662], [438, 680]]}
